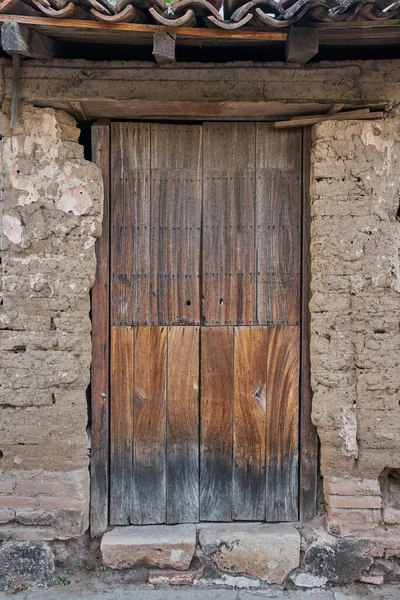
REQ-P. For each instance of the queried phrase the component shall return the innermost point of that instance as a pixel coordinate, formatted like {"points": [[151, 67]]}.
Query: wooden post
{"points": [[302, 44], [20, 39], [164, 47]]}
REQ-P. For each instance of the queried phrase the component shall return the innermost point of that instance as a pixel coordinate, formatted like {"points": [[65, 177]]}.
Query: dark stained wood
{"points": [[130, 222], [282, 424], [176, 163], [228, 223], [216, 436], [99, 468], [308, 433], [20, 39], [149, 432], [278, 224], [121, 425], [183, 425], [302, 44], [164, 47], [250, 381]]}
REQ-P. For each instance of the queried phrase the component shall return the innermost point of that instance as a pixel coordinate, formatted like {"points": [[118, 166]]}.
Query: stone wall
{"points": [[355, 348], [51, 217]]}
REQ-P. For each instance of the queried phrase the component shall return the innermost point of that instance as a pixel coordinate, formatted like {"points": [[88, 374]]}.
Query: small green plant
{"points": [[62, 580], [104, 569]]}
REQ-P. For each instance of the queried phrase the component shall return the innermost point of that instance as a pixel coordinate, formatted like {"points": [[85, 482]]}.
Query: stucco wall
{"points": [[51, 217], [355, 347]]}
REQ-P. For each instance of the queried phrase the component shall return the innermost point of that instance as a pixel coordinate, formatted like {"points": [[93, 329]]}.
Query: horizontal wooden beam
{"points": [[344, 116], [17, 38], [93, 31]]}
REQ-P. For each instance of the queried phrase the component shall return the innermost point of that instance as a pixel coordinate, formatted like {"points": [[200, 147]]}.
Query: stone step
{"points": [[264, 551], [154, 546]]}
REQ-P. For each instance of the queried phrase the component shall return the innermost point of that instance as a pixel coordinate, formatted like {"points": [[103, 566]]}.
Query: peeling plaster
{"points": [[12, 228], [75, 200]]}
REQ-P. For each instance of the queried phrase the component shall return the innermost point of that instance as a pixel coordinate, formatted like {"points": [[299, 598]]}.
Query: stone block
{"points": [[391, 516], [267, 552], [157, 546], [26, 563]]}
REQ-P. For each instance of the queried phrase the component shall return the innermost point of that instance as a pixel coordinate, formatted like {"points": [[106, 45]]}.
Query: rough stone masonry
{"points": [[355, 343], [51, 217]]}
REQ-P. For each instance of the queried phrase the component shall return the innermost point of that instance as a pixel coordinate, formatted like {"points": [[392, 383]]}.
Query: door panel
{"points": [[149, 418], [205, 271], [216, 443], [228, 224]]}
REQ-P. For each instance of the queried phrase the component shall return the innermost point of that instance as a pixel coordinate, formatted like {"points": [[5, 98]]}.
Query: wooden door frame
{"points": [[100, 475]]}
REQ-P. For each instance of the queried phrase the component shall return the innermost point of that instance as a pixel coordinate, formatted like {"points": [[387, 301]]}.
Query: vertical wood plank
{"points": [[130, 222], [176, 198], [183, 425], [149, 415], [216, 436], [308, 433], [278, 225], [99, 474], [121, 425], [228, 223], [282, 423], [250, 372]]}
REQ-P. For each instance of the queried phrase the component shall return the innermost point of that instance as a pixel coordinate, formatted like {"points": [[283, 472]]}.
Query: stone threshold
{"points": [[266, 552]]}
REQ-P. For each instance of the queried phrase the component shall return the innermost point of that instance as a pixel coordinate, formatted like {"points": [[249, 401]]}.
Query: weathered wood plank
{"points": [[164, 47], [130, 221], [99, 480], [121, 425], [308, 433], [363, 114], [282, 424], [149, 432], [278, 224], [228, 223], [183, 425], [250, 383], [175, 224], [302, 44], [20, 39], [216, 437]]}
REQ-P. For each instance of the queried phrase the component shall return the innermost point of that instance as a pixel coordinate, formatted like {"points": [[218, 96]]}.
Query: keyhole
{"points": [[221, 302], [188, 303]]}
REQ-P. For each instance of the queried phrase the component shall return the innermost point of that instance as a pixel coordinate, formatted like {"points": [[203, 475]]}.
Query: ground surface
{"points": [[102, 591]]}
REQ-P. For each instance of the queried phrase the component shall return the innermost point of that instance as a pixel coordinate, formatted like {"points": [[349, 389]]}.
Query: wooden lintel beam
{"points": [[20, 39], [164, 47], [343, 116], [302, 44]]}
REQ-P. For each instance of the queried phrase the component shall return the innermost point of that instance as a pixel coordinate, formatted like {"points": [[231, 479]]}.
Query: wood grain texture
{"points": [[278, 226], [308, 433], [216, 437], [183, 425], [283, 424], [228, 223], [149, 432], [250, 373], [130, 222], [176, 195], [121, 425], [99, 480]]}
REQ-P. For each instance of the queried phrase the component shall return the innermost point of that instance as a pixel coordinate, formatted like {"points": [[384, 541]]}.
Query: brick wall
{"points": [[51, 215], [355, 309]]}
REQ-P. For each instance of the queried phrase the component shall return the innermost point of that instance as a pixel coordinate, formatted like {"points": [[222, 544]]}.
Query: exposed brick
{"points": [[372, 579], [353, 501], [17, 502], [172, 577], [352, 487], [6, 515]]}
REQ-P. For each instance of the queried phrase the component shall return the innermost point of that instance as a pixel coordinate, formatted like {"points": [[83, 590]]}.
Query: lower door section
{"points": [[204, 424]]}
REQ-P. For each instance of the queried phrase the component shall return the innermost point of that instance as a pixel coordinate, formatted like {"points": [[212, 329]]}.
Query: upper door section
{"points": [[206, 224]]}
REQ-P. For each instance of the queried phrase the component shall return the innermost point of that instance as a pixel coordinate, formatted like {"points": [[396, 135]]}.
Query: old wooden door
{"points": [[205, 275]]}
